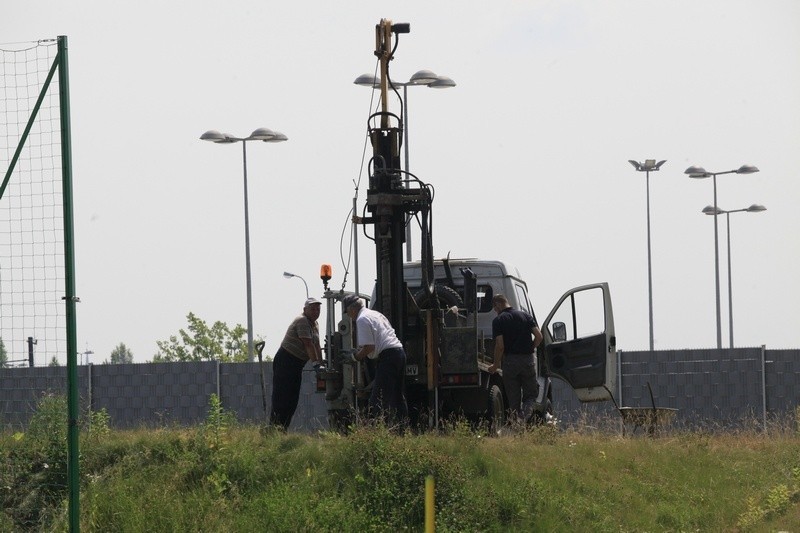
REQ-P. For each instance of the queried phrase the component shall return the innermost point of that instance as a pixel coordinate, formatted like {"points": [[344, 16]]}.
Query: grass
{"points": [[225, 477]]}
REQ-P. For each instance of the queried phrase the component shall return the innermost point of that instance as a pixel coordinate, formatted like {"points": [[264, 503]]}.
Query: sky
{"points": [[528, 154]]}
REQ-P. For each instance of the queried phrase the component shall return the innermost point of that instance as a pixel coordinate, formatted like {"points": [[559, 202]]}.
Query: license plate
{"points": [[412, 370]]}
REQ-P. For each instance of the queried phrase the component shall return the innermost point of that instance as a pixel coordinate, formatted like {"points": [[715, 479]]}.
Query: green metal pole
{"points": [[69, 281]]}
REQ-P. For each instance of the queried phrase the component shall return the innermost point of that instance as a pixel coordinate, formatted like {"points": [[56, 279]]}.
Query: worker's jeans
{"points": [[519, 378], [388, 397], [287, 376]]}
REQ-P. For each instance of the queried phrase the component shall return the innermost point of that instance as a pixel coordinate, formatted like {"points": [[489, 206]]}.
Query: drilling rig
{"points": [[441, 309]]}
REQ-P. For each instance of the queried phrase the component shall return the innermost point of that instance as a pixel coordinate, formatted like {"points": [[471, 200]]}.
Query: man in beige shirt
{"points": [[299, 345]]}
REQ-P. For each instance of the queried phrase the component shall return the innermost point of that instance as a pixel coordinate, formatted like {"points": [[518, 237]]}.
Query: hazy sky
{"points": [[553, 99]]}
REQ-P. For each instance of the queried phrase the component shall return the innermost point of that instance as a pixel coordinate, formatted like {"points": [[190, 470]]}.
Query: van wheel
{"points": [[495, 410]]}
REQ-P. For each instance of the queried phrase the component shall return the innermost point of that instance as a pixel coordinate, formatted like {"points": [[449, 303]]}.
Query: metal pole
{"points": [[405, 144], [764, 385], [730, 284], [355, 243], [716, 266], [306, 285], [649, 268], [247, 258], [70, 299]]}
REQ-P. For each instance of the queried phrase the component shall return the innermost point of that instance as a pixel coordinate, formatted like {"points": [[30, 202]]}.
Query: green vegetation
{"points": [[199, 342], [221, 476], [121, 354]]}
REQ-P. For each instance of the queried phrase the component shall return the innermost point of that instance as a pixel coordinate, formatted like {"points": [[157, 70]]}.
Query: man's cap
{"points": [[311, 301], [349, 300]]}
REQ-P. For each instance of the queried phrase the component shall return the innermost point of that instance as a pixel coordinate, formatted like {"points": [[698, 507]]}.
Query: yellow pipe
{"points": [[430, 512]]}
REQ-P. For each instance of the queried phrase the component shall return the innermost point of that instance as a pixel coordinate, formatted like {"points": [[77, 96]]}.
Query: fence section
{"points": [[722, 388]]}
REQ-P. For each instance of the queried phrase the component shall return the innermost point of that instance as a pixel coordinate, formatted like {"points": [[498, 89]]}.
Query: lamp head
{"points": [[697, 172], [648, 165], [747, 169], [261, 134], [368, 80], [711, 210], [214, 136], [423, 77], [755, 208], [267, 135], [442, 82], [277, 138]]}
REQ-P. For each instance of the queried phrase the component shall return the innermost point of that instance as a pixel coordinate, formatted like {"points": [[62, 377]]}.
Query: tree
{"points": [[121, 355], [198, 342], [3, 354], [54, 361]]}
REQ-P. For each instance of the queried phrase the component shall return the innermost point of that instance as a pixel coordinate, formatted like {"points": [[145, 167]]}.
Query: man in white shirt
{"points": [[377, 340]]}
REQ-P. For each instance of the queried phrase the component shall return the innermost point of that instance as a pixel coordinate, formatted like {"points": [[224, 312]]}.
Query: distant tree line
{"points": [[197, 342]]}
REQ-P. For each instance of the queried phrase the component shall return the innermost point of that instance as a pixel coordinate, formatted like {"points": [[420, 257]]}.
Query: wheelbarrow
{"points": [[650, 419]]}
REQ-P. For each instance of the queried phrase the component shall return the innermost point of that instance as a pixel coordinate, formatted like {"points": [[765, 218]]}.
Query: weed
{"points": [[34, 472], [99, 424]]}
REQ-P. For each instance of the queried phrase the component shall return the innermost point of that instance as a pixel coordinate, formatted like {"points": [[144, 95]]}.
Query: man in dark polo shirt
{"points": [[299, 345], [516, 336]]}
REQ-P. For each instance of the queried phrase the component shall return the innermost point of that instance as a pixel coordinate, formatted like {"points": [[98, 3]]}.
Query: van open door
{"points": [[579, 342]]}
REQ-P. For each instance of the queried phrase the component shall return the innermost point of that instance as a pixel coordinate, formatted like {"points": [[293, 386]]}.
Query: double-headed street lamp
{"points": [[700, 173], [647, 166], [711, 210], [289, 275], [421, 77], [264, 135]]}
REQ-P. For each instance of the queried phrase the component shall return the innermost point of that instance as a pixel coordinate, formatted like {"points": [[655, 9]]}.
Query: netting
{"points": [[32, 284]]}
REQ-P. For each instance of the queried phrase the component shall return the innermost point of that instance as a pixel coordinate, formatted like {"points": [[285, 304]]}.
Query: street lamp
{"points": [[649, 165], [701, 173], [265, 135], [710, 210], [288, 275], [421, 77]]}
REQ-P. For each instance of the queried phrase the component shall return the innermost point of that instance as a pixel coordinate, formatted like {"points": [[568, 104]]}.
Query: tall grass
{"points": [[225, 477]]}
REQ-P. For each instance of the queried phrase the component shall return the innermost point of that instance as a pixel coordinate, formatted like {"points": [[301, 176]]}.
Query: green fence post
{"points": [[69, 298]]}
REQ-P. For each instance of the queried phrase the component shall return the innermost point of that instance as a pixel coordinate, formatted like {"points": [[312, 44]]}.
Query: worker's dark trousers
{"points": [[388, 397], [287, 375], [519, 378]]}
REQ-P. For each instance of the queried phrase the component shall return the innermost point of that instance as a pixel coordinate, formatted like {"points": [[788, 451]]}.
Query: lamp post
{"points": [[265, 135], [701, 173], [649, 165], [288, 275], [710, 210], [421, 77]]}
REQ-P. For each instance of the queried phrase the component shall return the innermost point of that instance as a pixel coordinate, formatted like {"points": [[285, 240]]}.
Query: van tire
{"points": [[495, 410]]}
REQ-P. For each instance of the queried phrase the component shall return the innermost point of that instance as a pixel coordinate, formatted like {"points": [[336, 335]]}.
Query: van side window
{"points": [[522, 299], [485, 295]]}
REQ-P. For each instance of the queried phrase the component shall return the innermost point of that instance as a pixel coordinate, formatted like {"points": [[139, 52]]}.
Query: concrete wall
{"points": [[718, 388]]}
